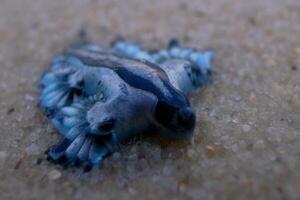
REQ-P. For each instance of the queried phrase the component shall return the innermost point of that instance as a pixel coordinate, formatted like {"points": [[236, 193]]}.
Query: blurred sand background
{"points": [[247, 141]]}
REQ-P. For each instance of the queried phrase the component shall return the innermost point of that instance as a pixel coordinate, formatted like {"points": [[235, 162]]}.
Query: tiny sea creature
{"points": [[98, 97]]}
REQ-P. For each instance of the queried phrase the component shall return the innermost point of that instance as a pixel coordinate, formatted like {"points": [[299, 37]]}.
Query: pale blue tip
{"points": [[204, 61]]}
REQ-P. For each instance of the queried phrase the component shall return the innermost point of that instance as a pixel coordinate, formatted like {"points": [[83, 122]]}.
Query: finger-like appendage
{"points": [[74, 148], [70, 120], [204, 61], [57, 89], [83, 154], [93, 47], [54, 99], [131, 50], [97, 153], [48, 79], [64, 61], [56, 152], [83, 150]]}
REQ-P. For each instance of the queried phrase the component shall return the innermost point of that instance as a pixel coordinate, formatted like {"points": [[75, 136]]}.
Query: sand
{"points": [[246, 144]]}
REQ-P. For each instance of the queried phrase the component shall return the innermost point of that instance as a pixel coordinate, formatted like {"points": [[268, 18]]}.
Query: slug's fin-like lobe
{"points": [[84, 150], [60, 85], [70, 120], [131, 50], [81, 145], [62, 62], [201, 59]]}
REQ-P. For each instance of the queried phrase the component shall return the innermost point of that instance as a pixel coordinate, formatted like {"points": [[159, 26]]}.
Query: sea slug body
{"points": [[98, 97]]}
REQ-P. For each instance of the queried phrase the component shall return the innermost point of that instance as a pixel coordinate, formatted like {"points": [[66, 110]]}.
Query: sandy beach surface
{"points": [[247, 140]]}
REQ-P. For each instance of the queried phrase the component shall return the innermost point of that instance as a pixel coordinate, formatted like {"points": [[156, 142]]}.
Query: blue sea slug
{"points": [[98, 97]]}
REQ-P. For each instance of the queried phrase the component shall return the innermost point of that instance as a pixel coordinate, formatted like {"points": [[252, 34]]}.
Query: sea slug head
{"points": [[175, 122]]}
